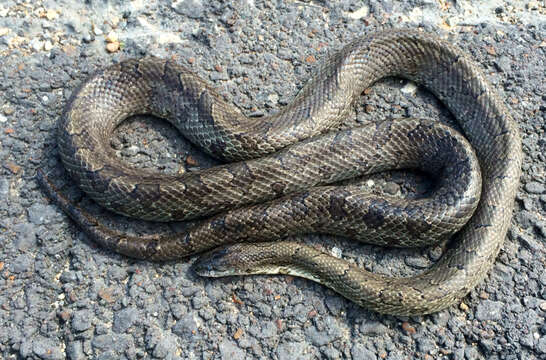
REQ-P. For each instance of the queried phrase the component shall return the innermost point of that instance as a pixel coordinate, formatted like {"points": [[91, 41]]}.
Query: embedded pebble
{"points": [[358, 351], [165, 347], [360, 13], [503, 64], [191, 8], [534, 187], [47, 350], [290, 350], [230, 351], [26, 236], [81, 320], [74, 351], [489, 310], [124, 319], [541, 345], [186, 326], [418, 262], [37, 44], [40, 214], [22, 263], [409, 89], [112, 47], [373, 328]]}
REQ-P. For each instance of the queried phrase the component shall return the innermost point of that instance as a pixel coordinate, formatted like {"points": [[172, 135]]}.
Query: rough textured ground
{"points": [[62, 297]]}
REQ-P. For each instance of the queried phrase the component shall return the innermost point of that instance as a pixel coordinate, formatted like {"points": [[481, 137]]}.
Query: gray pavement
{"points": [[63, 297]]}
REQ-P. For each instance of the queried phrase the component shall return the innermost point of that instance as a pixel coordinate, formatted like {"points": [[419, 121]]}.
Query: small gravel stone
{"points": [[471, 353], [104, 342], [331, 353], [541, 345], [358, 351], [534, 187], [113, 47], [230, 351], [97, 31], [40, 214], [190, 8], [37, 44], [74, 351], [130, 151], [532, 5], [25, 350], [22, 263], [526, 219], [48, 45], [526, 340], [264, 331], [4, 189], [360, 13], [26, 236], [186, 326], [425, 345], [166, 346], [326, 336], [46, 349], [81, 320], [374, 328], [416, 261], [8, 110], [124, 319], [503, 64], [198, 302], [529, 242], [88, 37], [392, 188], [289, 351], [409, 89], [408, 329], [489, 310], [112, 37]]}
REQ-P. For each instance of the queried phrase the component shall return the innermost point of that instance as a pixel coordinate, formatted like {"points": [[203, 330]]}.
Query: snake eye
{"points": [[214, 263]]}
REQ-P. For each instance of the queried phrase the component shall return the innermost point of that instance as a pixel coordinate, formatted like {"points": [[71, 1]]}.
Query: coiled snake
{"points": [[279, 184]]}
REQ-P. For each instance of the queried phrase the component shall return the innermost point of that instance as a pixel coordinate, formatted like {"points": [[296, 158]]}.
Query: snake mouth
{"points": [[216, 263]]}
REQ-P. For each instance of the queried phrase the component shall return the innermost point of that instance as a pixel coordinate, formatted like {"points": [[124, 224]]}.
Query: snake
{"points": [[285, 174]]}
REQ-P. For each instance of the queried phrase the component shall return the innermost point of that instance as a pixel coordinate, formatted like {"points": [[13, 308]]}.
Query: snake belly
{"points": [[282, 166]]}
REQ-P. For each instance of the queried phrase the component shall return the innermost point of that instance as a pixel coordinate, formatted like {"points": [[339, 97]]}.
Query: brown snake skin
{"points": [[280, 182]]}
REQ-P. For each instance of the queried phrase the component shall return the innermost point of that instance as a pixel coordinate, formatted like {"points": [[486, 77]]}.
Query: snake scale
{"points": [[283, 171]]}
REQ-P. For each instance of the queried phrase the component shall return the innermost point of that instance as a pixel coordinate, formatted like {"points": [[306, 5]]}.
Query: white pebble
{"points": [[36, 44], [532, 5], [409, 89], [336, 252], [360, 13], [112, 37], [48, 45]]}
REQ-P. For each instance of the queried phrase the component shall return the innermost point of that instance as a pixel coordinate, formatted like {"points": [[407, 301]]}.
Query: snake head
{"points": [[238, 259]]}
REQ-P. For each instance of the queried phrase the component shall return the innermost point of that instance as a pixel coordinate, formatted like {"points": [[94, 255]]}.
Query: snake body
{"points": [[279, 181]]}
